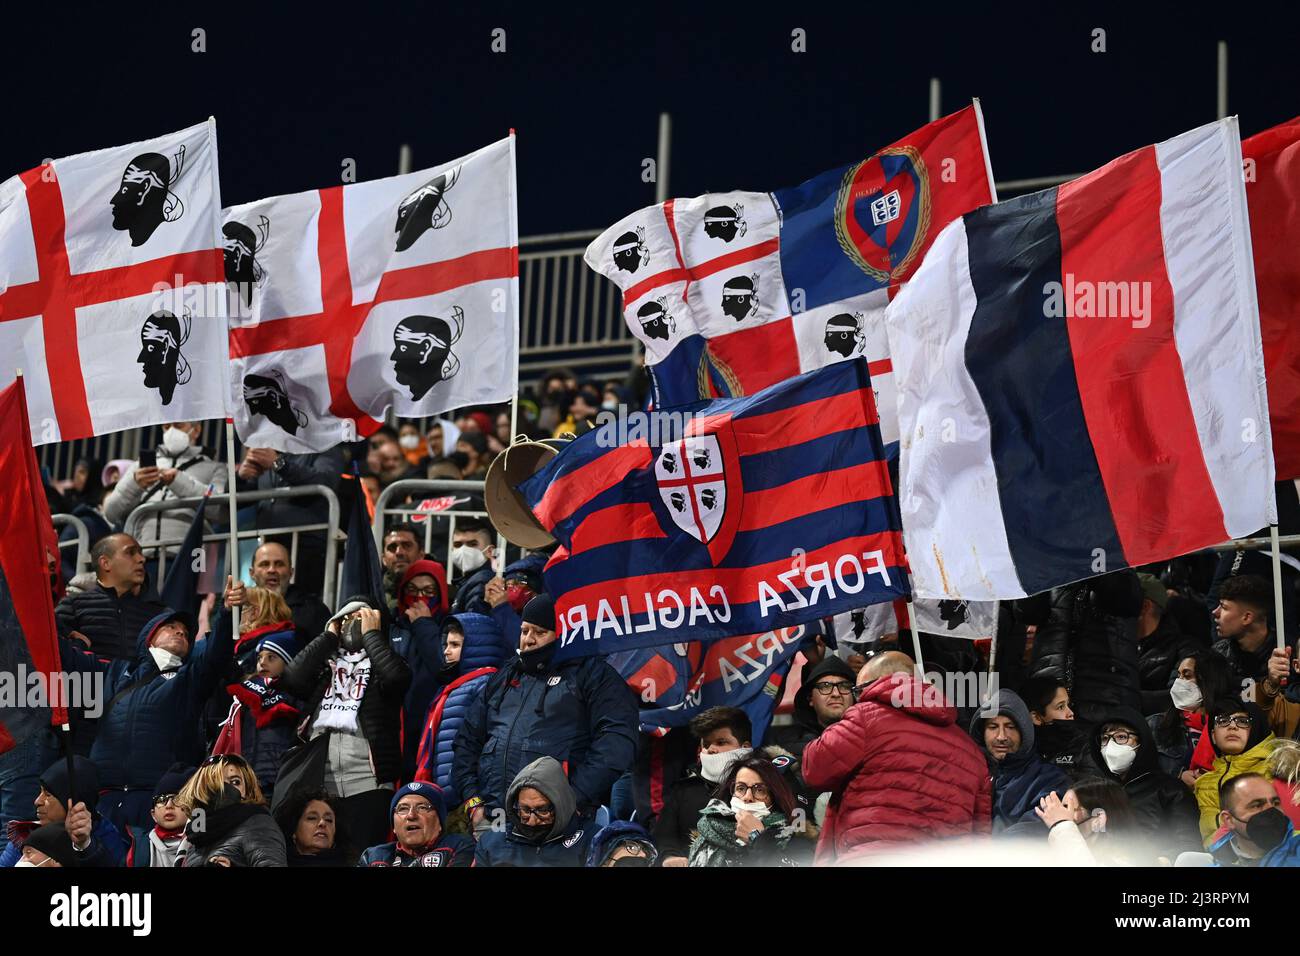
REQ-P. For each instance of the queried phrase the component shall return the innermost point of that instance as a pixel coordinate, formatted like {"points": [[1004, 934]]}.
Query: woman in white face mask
{"points": [[1179, 730], [751, 822]]}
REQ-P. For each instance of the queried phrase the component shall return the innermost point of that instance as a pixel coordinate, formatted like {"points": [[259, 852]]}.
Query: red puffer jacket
{"points": [[899, 770]]}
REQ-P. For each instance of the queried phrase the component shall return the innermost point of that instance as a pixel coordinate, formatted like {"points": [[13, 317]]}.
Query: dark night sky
{"points": [[297, 91]]}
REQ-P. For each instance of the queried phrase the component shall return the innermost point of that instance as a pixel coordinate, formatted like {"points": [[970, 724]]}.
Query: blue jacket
{"points": [[1286, 853], [481, 655], [106, 848], [450, 849], [578, 711], [565, 843], [420, 645], [147, 730], [507, 618], [469, 595], [1023, 778]]}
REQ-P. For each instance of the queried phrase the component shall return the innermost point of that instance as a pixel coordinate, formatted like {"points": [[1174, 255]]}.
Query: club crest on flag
{"points": [[882, 212], [693, 475]]}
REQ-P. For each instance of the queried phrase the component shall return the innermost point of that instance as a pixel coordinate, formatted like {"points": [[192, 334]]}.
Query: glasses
{"points": [[416, 808], [431, 591], [544, 811], [1120, 737], [758, 790], [828, 688], [1234, 720]]}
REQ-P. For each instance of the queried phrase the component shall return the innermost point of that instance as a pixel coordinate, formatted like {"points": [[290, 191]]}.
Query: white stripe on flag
{"points": [[1216, 322], [957, 533]]}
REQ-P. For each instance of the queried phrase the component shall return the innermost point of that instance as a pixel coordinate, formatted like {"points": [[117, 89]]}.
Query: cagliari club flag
{"points": [[112, 299], [747, 516], [1272, 168], [399, 292], [1081, 378], [733, 292]]}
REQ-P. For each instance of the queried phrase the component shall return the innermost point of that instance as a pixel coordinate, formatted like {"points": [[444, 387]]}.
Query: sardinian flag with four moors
{"points": [[111, 293], [399, 292]]}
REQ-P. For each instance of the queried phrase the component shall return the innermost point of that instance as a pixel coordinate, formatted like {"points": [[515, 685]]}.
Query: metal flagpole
{"points": [[514, 401], [916, 640], [234, 517], [1279, 623]]}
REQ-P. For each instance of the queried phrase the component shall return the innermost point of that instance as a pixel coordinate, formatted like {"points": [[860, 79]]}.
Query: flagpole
{"points": [[1279, 623], [514, 401], [916, 641], [234, 518]]}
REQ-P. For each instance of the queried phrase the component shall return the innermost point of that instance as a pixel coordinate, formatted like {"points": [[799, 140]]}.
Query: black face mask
{"points": [[533, 833], [539, 658], [459, 458], [631, 861], [1268, 828]]}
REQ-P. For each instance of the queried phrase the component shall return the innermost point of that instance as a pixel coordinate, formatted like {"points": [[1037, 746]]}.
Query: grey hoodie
{"points": [[546, 775]]}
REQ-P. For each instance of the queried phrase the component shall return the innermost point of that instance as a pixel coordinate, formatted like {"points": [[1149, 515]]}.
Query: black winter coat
{"points": [[676, 827], [243, 833], [111, 622], [379, 717], [1158, 656], [1089, 642]]}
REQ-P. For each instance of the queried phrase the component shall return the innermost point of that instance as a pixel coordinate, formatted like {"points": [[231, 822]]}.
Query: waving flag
{"points": [[733, 292], [1273, 194], [397, 293], [111, 294], [750, 515], [1081, 378]]}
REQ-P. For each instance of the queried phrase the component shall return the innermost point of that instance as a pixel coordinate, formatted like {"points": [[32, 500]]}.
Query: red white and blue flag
{"points": [[733, 292], [1081, 378], [750, 515]]}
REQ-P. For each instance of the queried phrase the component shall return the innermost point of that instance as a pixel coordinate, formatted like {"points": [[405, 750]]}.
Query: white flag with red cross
{"points": [[399, 292], [112, 300]]}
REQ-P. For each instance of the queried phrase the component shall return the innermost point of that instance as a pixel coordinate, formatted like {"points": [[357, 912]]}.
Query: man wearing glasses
{"points": [[542, 827], [418, 814], [824, 696]]}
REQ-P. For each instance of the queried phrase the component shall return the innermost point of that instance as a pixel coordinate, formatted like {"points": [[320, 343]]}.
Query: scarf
{"points": [[349, 675], [163, 845], [716, 843], [1202, 747], [263, 701]]}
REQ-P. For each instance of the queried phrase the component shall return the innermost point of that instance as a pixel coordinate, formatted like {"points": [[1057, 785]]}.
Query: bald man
{"points": [[271, 569], [898, 767]]}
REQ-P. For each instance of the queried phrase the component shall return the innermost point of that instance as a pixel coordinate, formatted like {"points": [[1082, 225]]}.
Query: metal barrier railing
{"points": [[426, 486], [1258, 544], [81, 542], [330, 527]]}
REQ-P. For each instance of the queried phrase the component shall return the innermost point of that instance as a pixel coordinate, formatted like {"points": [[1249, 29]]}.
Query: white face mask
{"points": [[713, 767], [409, 442], [1185, 694], [1118, 757], [739, 806], [466, 558], [175, 441], [165, 659]]}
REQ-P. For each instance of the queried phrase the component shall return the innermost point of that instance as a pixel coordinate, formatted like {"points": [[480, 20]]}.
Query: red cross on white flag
{"points": [[111, 294], [399, 292]]}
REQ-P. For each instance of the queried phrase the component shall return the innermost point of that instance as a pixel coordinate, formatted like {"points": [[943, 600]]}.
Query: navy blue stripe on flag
{"points": [[771, 469], [1054, 505]]}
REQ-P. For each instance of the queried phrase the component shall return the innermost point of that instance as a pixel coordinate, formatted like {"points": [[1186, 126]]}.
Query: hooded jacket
{"points": [[151, 718], [804, 726], [1020, 779], [563, 844], [899, 770], [419, 643], [1254, 759], [1164, 808], [610, 836], [579, 711], [481, 655]]}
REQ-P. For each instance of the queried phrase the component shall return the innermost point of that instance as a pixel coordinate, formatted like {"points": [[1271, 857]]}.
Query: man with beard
{"points": [[243, 271], [266, 395], [630, 252], [161, 338], [844, 334], [422, 355], [725, 222], [740, 297], [145, 201], [655, 321], [424, 209]]}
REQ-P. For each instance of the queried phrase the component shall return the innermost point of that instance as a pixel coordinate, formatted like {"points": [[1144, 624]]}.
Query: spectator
{"points": [[151, 720], [98, 842], [312, 834], [473, 447], [158, 846], [416, 636], [271, 570], [1161, 646], [507, 594], [1252, 828], [49, 846], [1057, 736], [354, 684], [557, 390], [265, 469], [542, 824], [1242, 621], [1020, 777], [622, 843], [264, 612], [1283, 715], [108, 617], [402, 548], [725, 736], [578, 711], [472, 555], [1086, 639], [237, 829], [473, 650], [898, 767], [183, 470], [414, 448], [1093, 825], [442, 438], [1122, 749], [418, 814], [823, 698], [1179, 733], [393, 465], [1242, 744], [752, 821], [87, 489]]}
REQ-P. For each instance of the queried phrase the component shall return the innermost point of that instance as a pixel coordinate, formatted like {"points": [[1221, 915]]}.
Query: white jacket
{"points": [[191, 481]]}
